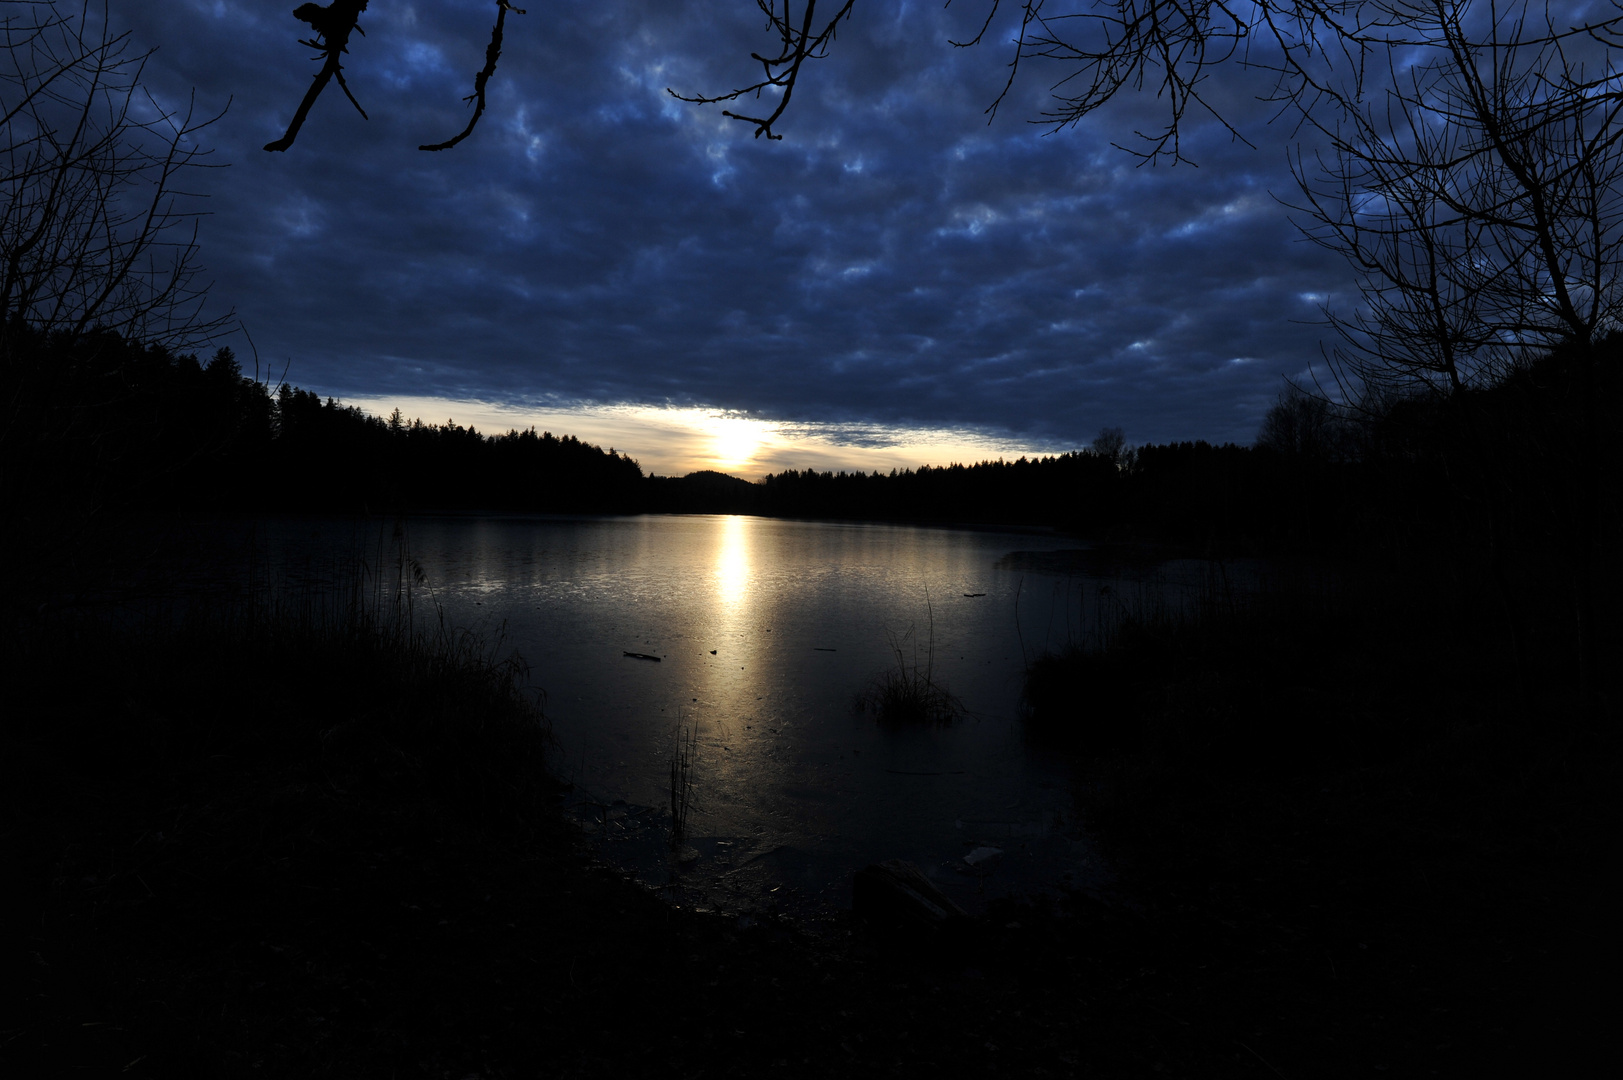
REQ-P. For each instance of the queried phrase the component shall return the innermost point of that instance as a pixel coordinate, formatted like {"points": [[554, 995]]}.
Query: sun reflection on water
{"points": [[733, 561]]}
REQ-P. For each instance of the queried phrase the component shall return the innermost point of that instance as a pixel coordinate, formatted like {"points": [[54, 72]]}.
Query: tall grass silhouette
{"points": [[909, 694]]}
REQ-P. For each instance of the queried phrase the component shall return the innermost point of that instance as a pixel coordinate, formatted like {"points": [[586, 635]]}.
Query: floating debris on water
{"points": [[982, 855]]}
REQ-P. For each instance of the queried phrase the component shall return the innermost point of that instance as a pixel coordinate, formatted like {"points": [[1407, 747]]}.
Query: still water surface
{"points": [[767, 630]]}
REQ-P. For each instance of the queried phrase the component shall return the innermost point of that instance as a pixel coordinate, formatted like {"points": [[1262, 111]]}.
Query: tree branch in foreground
{"points": [[332, 25], [780, 72], [493, 52]]}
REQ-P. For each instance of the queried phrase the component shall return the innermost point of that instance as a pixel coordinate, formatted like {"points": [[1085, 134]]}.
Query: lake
{"points": [[767, 631]]}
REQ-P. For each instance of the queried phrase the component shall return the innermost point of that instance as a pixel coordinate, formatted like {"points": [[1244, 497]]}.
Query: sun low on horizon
{"points": [[678, 440], [734, 442]]}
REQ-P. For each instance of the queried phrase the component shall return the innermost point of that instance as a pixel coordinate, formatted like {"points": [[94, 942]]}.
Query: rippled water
{"points": [[766, 631]]}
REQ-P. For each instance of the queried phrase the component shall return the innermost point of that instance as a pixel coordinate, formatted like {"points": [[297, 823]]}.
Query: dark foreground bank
{"points": [[300, 848]]}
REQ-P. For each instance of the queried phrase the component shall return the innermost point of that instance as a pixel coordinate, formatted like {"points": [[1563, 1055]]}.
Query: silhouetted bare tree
{"points": [[95, 228], [1304, 424], [98, 265], [1480, 200], [1111, 444]]}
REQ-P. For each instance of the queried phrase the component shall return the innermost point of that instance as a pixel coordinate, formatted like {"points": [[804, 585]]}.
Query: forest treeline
{"points": [[109, 421], [1508, 471], [103, 422], [106, 423]]}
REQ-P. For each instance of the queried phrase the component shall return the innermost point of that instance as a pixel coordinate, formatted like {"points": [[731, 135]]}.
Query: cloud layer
{"points": [[894, 261]]}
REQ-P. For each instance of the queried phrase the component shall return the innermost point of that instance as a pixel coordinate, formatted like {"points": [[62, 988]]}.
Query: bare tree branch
{"points": [[1481, 202], [799, 43], [332, 25], [493, 52], [94, 232]]}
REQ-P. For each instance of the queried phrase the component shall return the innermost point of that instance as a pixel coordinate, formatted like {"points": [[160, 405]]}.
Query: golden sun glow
{"points": [[733, 442]]}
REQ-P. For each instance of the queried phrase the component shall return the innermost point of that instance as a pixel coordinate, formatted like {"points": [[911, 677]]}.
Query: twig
{"points": [[1260, 1058]]}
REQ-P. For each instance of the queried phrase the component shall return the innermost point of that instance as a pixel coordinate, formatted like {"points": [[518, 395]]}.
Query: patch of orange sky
{"points": [[677, 441]]}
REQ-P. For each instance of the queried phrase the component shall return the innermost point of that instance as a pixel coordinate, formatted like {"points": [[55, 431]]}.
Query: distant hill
{"points": [[703, 492]]}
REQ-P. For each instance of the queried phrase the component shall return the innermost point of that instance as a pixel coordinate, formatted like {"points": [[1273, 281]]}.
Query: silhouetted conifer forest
{"points": [[109, 420], [106, 423]]}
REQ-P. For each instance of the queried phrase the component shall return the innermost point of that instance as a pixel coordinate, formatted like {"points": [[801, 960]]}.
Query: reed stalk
{"points": [[684, 752]]}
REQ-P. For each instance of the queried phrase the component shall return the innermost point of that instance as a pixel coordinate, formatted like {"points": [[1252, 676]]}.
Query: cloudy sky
{"points": [[896, 282]]}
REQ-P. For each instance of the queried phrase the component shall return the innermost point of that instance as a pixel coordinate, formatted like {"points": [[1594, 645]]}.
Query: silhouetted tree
{"points": [[98, 278], [1306, 425], [1111, 444], [1481, 203], [95, 228]]}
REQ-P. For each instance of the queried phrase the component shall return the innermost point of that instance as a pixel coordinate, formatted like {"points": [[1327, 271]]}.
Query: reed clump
{"points": [[909, 693]]}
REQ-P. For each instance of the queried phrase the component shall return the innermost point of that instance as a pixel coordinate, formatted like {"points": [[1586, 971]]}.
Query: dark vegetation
{"points": [[1342, 770], [909, 694], [101, 417], [1366, 824]]}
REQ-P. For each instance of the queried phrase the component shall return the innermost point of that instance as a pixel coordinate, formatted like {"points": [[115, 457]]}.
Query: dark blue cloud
{"points": [[894, 260]]}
